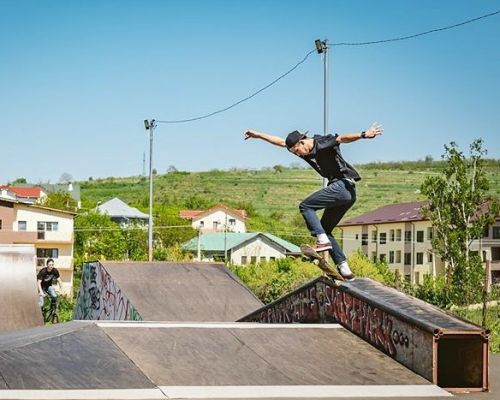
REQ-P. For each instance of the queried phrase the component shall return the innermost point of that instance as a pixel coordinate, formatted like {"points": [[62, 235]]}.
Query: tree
{"points": [[20, 180], [98, 237], [65, 178], [60, 201], [459, 212]]}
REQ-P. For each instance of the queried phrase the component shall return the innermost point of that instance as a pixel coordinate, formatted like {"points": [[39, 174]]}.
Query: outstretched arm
{"points": [[276, 140], [374, 130]]}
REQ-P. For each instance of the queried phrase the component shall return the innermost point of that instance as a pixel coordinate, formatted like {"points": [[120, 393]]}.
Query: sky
{"points": [[78, 78]]}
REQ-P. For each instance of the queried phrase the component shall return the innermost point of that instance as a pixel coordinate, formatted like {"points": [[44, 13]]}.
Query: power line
{"points": [[179, 121], [417, 34]]}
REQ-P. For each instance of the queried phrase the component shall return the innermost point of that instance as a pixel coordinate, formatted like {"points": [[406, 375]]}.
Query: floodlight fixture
{"points": [[320, 46]]}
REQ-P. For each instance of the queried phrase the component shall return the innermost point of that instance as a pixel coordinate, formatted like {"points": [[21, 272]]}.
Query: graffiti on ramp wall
{"points": [[100, 297]]}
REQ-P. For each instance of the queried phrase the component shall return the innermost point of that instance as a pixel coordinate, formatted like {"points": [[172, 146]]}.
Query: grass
{"points": [[492, 323]]}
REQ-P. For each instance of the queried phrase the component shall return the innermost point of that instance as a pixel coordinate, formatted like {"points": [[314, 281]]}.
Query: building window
{"points": [[391, 257], [420, 258], [374, 236], [407, 277], [420, 236], [40, 227], [202, 224], [52, 226], [407, 236], [244, 260], [272, 258], [43, 254], [398, 256], [357, 236], [430, 233], [407, 258], [398, 235], [486, 232], [374, 256], [0, 224], [232, 222], [263, 259], [215, 224], [429, 257], [253, 260], [496, 232], [383, 238], [392, 235], [21, 225], [364, 239], [382, 257]]}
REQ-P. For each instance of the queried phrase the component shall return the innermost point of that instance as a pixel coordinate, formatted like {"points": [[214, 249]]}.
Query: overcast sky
{"points": [[77, 79]]}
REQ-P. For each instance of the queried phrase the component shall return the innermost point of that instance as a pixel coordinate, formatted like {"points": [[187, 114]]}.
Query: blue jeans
{"points": [[51, 292], [335, 199]]}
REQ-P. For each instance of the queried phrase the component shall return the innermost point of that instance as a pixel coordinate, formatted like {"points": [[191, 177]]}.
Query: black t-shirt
{"points": [[47, 277], [326, 159]]}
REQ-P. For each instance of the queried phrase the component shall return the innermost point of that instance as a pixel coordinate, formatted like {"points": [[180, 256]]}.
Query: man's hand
{"points": [[251, 134], [374, 130]]}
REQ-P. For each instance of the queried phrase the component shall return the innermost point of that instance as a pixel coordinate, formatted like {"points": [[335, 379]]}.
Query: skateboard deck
{"points": [[324, 265]]}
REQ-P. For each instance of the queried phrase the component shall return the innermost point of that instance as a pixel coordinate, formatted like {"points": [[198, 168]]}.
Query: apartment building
{"points": [[50, 231], [401, 235]]}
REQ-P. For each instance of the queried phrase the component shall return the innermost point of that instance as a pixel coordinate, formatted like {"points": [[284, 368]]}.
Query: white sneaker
{"points": [[345, 271]]}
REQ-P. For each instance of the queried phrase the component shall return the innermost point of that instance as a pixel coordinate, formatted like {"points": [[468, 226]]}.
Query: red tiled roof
{"points": [[25, 191], [402, 212], [192, 214]]}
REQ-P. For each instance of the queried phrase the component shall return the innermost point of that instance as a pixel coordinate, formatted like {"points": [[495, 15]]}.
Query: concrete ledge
{"points": [[233, 392]]}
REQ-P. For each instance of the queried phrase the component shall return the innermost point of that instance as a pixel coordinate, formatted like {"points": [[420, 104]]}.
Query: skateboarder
{"points": [[322, 152]]}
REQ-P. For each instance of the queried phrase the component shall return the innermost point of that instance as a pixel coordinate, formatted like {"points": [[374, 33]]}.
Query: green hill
{"points": [[270, 195]]}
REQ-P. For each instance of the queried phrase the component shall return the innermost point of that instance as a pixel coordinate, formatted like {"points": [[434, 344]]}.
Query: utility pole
{"points": [[322, 48], [150, 126], [144, 163]]}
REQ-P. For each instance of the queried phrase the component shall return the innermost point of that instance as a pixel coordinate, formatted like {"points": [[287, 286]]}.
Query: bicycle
{"points": [[50, 312]]}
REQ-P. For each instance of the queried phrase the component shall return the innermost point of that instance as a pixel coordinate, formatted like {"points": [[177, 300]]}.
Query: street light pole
{"points": [[150, 125], [322, 48]]}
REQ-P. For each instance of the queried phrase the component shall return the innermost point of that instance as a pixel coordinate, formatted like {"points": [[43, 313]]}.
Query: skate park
{"points": [[176, 335]]}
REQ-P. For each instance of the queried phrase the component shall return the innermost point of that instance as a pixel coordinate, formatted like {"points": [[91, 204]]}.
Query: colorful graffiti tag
{"points": [[325, 303], [100, 297]]}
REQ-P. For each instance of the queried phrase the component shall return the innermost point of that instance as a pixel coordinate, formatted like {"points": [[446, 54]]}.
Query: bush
{"points": [[272, 279]]}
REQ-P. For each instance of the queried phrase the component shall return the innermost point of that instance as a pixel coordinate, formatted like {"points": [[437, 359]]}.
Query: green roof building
{"points": [[241, 248]]}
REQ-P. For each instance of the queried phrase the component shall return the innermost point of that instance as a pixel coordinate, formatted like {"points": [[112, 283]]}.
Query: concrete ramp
{"points": [[162, 291], [442, 348], [123, 360], [18, 289]]}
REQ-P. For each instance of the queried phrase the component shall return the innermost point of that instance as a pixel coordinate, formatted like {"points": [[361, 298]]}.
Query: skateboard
{"points": [[324, 265]]}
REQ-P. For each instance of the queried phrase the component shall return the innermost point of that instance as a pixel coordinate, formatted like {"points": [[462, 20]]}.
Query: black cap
{"points": [[293, 138]]}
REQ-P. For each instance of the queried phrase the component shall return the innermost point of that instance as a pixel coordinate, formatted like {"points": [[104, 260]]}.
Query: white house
{"points": [[241, 248], [217, 219]]}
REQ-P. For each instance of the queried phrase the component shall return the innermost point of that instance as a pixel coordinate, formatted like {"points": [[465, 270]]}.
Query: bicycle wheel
{"points": [[54, 318]]}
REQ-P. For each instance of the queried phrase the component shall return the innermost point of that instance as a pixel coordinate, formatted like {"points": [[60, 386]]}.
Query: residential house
{"points": [[217, 219], [122, 213], [26, 194], [241, 248], [400, 235], [49, 230]]}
